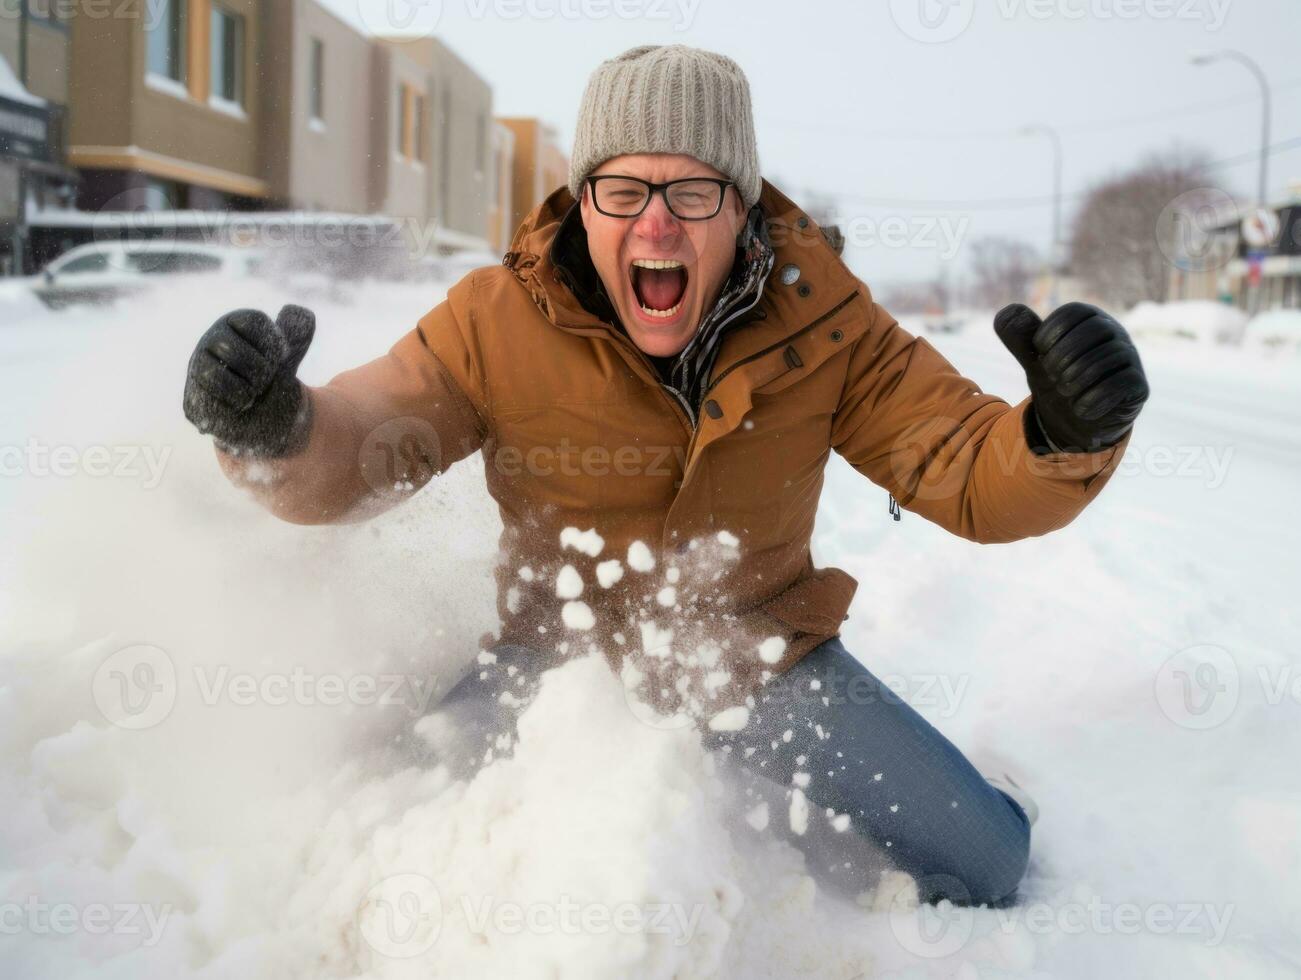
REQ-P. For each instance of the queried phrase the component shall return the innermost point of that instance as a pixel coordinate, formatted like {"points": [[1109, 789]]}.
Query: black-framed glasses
{"points": [[688, 199]]}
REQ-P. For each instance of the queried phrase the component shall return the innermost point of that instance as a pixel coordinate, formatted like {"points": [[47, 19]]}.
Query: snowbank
{"points": [[1278, 331], [1198, 321]]}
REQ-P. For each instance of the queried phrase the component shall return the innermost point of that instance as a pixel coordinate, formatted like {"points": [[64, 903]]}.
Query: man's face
{"points": [[662, 308]]}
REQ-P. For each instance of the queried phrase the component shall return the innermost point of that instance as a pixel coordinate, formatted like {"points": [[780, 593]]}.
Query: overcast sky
{"points": [[919, 101]]}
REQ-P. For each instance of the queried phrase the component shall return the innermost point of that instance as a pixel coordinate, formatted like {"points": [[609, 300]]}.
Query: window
{"points": [[318, 80], [95, 262], [481, 145], [421, 130], [166, 37], [412, 131], [227, 70], [173, 263]]}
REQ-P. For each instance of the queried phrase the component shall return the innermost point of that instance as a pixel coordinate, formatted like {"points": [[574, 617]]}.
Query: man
{"points": [[666, 358]]}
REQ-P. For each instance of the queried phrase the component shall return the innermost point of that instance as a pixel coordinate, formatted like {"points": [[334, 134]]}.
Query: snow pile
{"points": [[1198, 321], [1278, 331]]}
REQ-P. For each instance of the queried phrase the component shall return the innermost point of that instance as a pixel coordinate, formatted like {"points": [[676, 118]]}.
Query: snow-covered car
{"points": [[1275, 331], [103, 271]]}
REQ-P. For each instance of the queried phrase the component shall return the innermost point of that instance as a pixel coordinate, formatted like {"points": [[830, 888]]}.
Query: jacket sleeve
{"points": [[910, 423], [381, 431]]}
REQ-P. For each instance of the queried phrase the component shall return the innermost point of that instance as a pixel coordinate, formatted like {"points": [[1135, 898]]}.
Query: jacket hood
{"points": [[549, 256]]}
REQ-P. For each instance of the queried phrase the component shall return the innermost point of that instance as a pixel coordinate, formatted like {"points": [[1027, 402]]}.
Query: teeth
{"points": [[661, 313], [657, 263]]}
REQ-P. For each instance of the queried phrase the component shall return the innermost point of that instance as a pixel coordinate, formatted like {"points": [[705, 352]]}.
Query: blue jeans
{"points": [[913, 800]]}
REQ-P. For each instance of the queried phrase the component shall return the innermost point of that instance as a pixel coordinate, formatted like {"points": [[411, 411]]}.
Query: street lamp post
{"points": [[1266, 98], [1054, 255], [1266, 101]]}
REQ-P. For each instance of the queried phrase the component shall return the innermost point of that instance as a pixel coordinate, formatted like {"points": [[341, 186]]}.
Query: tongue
{"points": [[660, 289]]}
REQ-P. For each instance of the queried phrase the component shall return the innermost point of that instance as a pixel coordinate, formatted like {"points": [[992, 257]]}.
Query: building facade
{"points": [[34, 57], [540, 165], [269, 106]]}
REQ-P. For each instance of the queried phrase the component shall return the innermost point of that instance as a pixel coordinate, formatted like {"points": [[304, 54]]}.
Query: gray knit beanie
{"points": [[668, 99]]}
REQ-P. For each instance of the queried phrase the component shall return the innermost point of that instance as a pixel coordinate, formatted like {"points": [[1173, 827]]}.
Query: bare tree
{"points": [[1116, 246], [1004, 270]]}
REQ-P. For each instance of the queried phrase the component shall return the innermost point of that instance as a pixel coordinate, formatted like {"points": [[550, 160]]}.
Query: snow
{"points": [[1277, 331], [640, 557], [569, 584], [608, 573], [1198, 321], [732, 719], [12, 88], [578, 616], [308, 831], [588, 542], [772, 649]]}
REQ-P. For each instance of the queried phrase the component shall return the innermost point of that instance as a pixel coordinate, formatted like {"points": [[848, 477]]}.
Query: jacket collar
{"points": [[556, 270]]}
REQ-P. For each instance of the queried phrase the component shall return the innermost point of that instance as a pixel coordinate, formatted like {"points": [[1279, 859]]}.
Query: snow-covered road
{"points": [[1140, 667]]}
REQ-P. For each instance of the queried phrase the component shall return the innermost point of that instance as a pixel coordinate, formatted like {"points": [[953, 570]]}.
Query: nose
{"points": [[656, 224]]}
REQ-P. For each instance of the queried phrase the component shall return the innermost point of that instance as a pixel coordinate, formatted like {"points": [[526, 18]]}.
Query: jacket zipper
{"points": [[786, 340]]}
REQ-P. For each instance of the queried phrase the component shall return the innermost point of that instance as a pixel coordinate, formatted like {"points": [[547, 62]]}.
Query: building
{"points": [[166, 106], [271, 106], [500, 211], [434, 115], [1220, 264], [34, 52], [540, 166]]}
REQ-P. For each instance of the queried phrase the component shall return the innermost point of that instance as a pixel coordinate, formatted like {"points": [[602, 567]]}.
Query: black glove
{"points": [[1086, 380], [241, 387]]}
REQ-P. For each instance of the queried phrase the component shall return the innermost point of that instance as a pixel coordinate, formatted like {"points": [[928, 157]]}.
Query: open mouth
{"points": [[659, 285]]}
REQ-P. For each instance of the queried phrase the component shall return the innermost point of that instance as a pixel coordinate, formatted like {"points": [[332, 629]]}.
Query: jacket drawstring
{"points": [[894, 509]]}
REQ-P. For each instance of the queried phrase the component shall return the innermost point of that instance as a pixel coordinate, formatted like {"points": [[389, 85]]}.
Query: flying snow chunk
{"points": [[667, 596], [578, 616], [569, 584], [656, 642], [526, 573], [640, 558], [609, 572], [730, 720], [729, 539], [673, 575], [758, 817], [771, 649], [799, 813], [588, 542], [840, 823]]}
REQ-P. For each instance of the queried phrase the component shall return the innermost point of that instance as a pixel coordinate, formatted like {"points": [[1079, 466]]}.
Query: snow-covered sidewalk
{"points": [[210, 766]]}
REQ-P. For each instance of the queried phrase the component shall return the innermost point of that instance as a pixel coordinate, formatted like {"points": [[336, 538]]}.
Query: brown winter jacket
{"points": [[576, 431]]}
